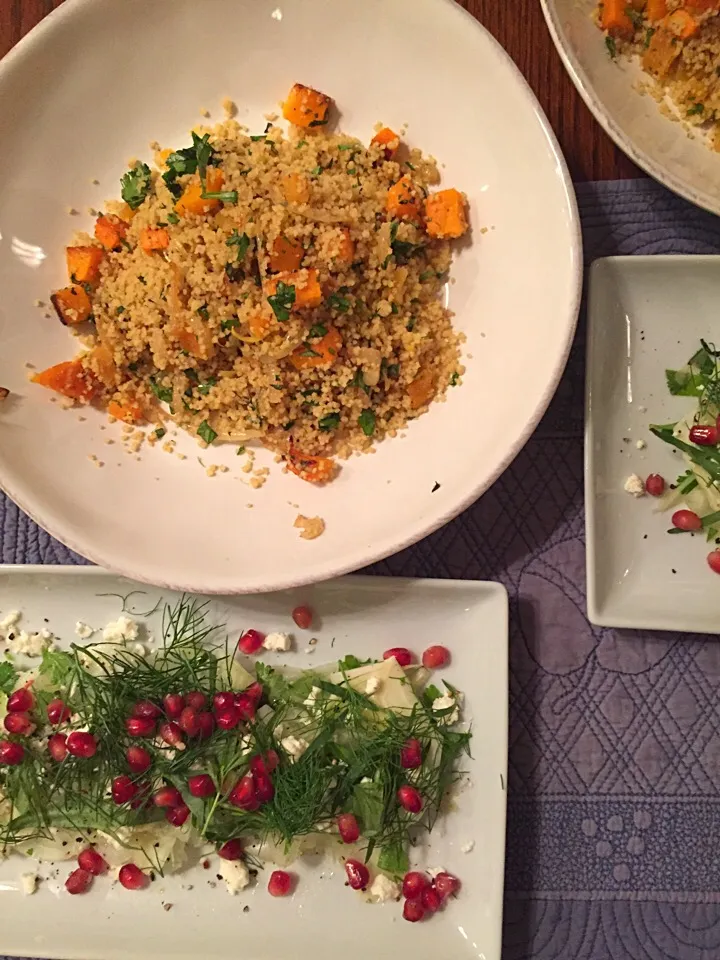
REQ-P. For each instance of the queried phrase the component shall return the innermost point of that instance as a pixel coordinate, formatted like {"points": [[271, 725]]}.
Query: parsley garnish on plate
{"points": [[194, 159], [164, 394], [611, 47], [366, 421], [8, 677], [282, 300], [329, 422], [206, 432], [695, 110], [135, 185]]}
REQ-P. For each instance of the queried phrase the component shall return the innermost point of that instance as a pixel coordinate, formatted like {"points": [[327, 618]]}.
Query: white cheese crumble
{"points": [[29, 644], [445, 703], [312, 698], [10, 620], [640, 444], [279, 642], [384, 889], [634, 485], [120, 630], [468, 847], [372, 686], [29, 882], [83, 631], [235, 874], [295, 747]]}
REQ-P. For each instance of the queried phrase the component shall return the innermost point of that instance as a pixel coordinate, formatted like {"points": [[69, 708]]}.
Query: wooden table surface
{"points": [[520, 28]]}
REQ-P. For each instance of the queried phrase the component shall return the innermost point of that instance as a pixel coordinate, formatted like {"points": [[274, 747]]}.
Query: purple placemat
{"points": [[614, 775]]}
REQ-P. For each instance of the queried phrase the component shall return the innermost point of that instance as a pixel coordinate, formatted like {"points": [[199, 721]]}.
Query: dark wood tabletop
{"points": [[520, 28]]}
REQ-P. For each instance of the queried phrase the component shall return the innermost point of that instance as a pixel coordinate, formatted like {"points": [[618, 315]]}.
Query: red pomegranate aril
{"points": [[132, 877], [201, 786], [704, 435], [168, 796], [231, 850], [411, 754], [206, 724], [401, 654], [280, 883], [221, 701], [123, 789], [431, 900], [245, 706], [264, 789], [228, 719], [11, 754], [413, 884], [243, 794], [348, 827], [303, 617], [413, 910], [713, 559], [138, 759], [357, 873], [409, 799], [19, 723], [90, 860], [251, 641], [254, 691], [188, 722], [265, 763], [174, 704], [435, 657], [686, 520], [446, 885], [57, 747], [146, 709], [79, 881], [655, 485], [196, 700], [58, 712], [140, 726], [171, 734], [177, 815], [20, 701]]}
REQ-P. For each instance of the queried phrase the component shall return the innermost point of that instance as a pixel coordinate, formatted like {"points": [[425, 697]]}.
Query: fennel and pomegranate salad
{"points": [[147, 762]]}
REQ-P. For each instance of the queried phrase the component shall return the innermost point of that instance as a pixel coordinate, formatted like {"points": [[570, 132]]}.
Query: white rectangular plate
{"points": [[323, 919], [645, 314]]}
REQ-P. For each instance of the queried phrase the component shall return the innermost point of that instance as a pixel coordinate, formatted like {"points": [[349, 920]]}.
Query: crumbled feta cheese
{"points": [[383, 889], [29, 882], [640, 444], [445, 703], [83, 631], [634, 485], [277, 641], [27, 644], [120, 630], [10, 620], [295, 747], [235, 874], [312, 698], [372, 686], [468, 847]]}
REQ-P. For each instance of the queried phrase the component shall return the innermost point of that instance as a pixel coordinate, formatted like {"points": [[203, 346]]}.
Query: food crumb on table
{"points": [[310, 527]]}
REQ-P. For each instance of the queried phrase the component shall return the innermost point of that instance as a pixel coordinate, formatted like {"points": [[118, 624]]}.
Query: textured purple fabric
{"points": [[614, 775]]}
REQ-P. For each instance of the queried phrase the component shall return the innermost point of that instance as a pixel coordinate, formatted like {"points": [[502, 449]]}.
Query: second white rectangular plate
{"points": [[324, 918]]}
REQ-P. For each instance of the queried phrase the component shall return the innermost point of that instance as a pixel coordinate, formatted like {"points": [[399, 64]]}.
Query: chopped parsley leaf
{"points": [[135, 185], [241, 241], [204, 388], [394, 307], [206, 432], [303, 143], [317, 123], [308, 351], [330, 422], [8, 677], [160, 432], [696, 109], [239, 452], [611, 47], [258, 136], [346, 146], [367, 422], [194, 159], [426, 275], [226, 196], [393, 371], [359, 381], [282, 300], [318, 330], [164, 394], [316, 172], [634, 16], [173, 217], [289, 425], [203, 312], [454, 379], [648, 36], [408, 164], [235, 272], [231, 321], [410, 326], [120, 310], [336, 301]]}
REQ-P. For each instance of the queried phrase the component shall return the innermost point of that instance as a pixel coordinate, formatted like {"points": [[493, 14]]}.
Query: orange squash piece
{"points": [[260, 324], [153, 239], [346, 250], [306, 107], [662, 52], [308, 292], [286, 254], [72, 305], [318, 354], [192, 199], [110, 231], [403, 200], [101, 362], [421, 390], [128, 412], [680, 23], [296, 188], [702, 6], [84, 264], [389, 139], [614, 18], [310, 469], [445, 214], [71, 379], [655, 10]]}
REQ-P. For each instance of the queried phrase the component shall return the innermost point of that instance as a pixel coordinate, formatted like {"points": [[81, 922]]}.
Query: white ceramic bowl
{"points": [[652, 140], [100, 79]]}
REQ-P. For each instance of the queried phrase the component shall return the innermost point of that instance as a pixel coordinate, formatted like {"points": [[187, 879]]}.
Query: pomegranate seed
{"points": [[206, 724], [446, 885], [11, 754], [357, 873], [90, 860], [411, 754], [138, 759], [196, 700], [58, 712], [431, 900], [146, 709], [79, 881], [57, 747], [19, 723], [21, 701], [413, 884], [174, 704], [221, 701], [280, 883], [245, 706], [251, 641], [123, 790], [704, 436], [713, 559], [409, 799], [140, 726], [401, 654], [686, 520], [228, 719], [264, 789], [435, 657], [413, 910], [265, 763], [168, 796], [254, 691], [142, 799], [177, 815], [171, 734], [303, 617], [655, 485], [243, 794], [188, 722], [201, 786], [231, 850], [132, 877], [348, 827]]}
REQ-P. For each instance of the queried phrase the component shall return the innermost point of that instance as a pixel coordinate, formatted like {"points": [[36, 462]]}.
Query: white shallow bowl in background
{"points": [[77, 110], [652, 140]]}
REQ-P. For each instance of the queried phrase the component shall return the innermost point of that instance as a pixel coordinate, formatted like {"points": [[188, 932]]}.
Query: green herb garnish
{"points": [[695, 110], [330, 422], [366, 421], [164, 394], [206, 432], [120, 310], [336, 301], [135, 185], [231, 322], [203, 312], [317, 330], [241, 242], [8, 677], [160, 432], [282, 300], [227, 196], [611, 47], [173, 217]]}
